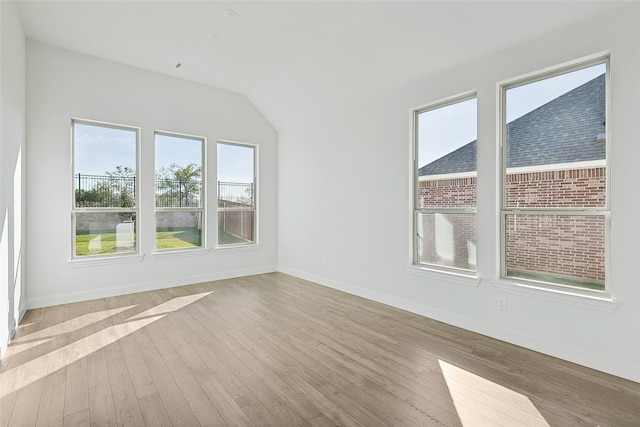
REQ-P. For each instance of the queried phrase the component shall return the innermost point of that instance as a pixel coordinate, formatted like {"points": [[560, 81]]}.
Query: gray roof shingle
{"points": [[563, 130]]}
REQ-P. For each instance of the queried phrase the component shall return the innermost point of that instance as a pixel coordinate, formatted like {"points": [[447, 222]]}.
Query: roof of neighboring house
{"points": [[564, 130]]}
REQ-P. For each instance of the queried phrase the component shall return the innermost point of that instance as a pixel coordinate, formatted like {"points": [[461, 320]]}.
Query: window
{"points": [[555, 209], [237, 194], [105, 185], [179, 191], [445, 185]]}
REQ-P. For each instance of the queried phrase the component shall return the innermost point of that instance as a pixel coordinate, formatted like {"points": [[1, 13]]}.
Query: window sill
{"points": [[238, 248], [445, 276], [601, 303], [99, 261], [179, 253]]}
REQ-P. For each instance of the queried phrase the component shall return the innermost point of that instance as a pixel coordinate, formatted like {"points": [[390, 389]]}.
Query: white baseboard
{"points": [[598, 362], [70, 297]]}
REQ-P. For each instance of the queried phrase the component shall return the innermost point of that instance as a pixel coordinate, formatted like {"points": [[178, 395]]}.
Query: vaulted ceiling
{"points": [[270, 51]]}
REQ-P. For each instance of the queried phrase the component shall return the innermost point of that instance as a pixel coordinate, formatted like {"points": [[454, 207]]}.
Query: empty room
{"points": [[320, 213]]}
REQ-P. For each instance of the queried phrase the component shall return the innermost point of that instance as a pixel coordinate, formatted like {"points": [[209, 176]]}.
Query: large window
{"points": [[237, 194], [105, 186], [445, 185], [555, 209], [179, 191]]}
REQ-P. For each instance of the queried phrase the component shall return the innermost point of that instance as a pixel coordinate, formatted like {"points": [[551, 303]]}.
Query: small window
{"points": [[179, 192], [105, 185], [237, 194], [445, 185], [555, 209]]}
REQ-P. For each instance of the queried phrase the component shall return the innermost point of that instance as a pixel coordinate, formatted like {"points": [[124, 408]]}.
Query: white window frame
{"points": [[416, 188], [604, 211], [203, 205], [76, 210], [256, 200]]}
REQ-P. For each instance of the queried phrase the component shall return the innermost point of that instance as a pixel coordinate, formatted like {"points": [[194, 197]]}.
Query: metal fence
{"points": [[177, 193], [235, 194], [104, 191]]}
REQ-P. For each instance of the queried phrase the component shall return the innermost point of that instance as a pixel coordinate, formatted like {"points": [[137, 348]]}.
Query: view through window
{"points": [[179, 191], [445, 189], [105, 183], [236, 194], [555, 206]]}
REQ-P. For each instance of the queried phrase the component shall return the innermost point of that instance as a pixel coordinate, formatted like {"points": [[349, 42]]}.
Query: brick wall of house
{"points": [[567, 246]]}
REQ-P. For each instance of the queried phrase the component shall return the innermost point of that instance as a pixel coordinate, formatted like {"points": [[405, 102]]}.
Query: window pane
{"points": [[178, 230], [178, 172], [236, 176], [105, 166], [555, 141], [101, 233], [236, 227], [446, 150], [563, 249], [447, 240]]}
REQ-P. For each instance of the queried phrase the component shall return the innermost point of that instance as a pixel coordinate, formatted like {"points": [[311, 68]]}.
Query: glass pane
{"points": [[178, 172], [556, 141], [568, 250], [105, 166], [105, 233], [447, 240], [446, 150], [178, 230], [236, 227], [236, 186]]}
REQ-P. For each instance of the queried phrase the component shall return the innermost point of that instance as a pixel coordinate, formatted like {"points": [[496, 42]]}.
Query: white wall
{"points": [[344, 198], [12, 138], [61, 85]]}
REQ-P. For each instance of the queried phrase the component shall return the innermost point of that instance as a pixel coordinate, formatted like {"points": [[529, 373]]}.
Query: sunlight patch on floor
{"points": [[480, 402], [21, 376]]}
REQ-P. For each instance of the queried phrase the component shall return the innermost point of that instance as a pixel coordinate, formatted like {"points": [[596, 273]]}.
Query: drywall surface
{"points": [[62, 85], [344, 182], [12, 140]]}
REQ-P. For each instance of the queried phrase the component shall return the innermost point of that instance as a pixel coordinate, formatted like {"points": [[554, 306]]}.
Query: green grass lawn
{"points": [[178, 238], [99, 244], [105, 243]]}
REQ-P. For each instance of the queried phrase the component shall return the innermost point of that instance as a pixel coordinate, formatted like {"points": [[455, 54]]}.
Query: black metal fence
{"points": [[177, 193], [104, 191], [235, 194]]}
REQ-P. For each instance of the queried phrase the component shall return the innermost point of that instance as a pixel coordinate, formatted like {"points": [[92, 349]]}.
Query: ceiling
{"points": [[264, 49]]}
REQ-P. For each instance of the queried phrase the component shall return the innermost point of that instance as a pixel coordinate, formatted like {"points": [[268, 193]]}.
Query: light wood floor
{"points": [[273, 350]]}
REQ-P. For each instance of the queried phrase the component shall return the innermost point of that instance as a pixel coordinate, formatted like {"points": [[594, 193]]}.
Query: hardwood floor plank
{"points": [[204, 411], [153, 411], [101, 409], [27, 399], [173, 400], [51, 409], [124, 398], [226, 405]]}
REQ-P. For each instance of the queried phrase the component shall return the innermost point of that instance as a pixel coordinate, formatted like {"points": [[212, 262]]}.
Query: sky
{"points": [[101, 149], [446, 129]]}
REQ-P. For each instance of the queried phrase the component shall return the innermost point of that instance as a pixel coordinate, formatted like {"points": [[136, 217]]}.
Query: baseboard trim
{"points": [[71, 297], [594, 361]]}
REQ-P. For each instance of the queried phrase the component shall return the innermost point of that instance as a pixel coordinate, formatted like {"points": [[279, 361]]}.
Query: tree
{"points": [[121, 184], [178, 186]]}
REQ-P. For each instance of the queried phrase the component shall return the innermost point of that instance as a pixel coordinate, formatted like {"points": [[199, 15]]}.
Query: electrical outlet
{"points": [[501, 303]]}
